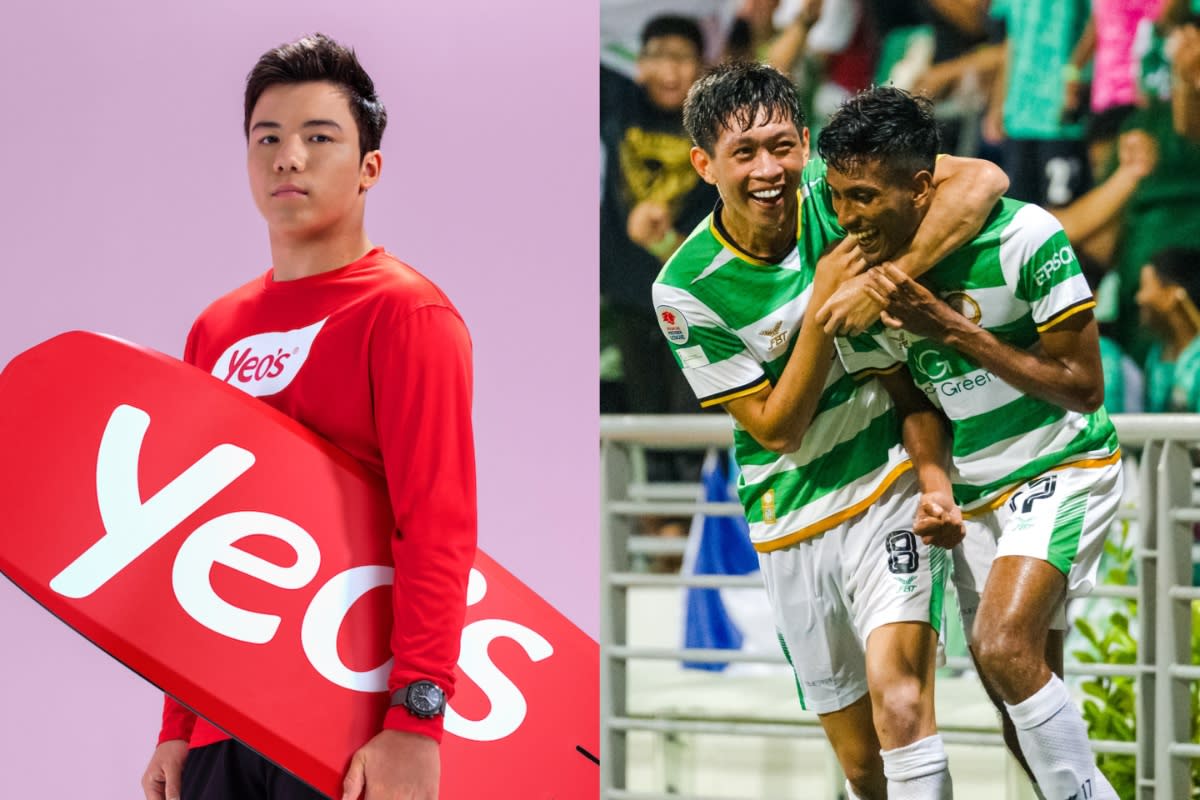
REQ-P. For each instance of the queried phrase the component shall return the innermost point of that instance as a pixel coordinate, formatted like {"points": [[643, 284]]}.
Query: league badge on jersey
{"points": [[673, 325]]}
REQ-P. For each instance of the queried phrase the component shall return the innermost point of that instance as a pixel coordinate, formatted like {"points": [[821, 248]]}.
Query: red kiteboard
{"points": [[241, 563]]}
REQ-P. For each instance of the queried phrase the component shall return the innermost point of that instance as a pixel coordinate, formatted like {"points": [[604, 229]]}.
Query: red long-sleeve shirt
{"points": [[373, 357]]}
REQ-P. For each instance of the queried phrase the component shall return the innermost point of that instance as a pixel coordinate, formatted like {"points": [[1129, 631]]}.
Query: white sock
{"points": [[850, 795], [918, 771], [1054, 741]]}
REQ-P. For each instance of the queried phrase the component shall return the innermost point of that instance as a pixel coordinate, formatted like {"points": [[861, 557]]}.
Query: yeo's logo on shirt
{"points": [[265, 363]]}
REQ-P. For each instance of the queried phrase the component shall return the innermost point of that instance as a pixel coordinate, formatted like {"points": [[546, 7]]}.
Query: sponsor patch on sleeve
{"points": [[673, 325], [692, 357]]}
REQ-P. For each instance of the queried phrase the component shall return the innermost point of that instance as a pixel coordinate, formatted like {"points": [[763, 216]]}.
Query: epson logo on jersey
{"points": [[1046, 271], [265, 363], [133, 525]]}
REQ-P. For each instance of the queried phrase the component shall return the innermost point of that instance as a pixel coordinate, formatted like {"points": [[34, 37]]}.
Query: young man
{"points": [[828, 491], [1010, 354], [1166, 298], [387, 378]]}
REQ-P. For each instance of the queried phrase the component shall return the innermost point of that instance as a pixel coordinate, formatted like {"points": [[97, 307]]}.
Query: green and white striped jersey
{"points": [[1016, 278], [731, 321]]}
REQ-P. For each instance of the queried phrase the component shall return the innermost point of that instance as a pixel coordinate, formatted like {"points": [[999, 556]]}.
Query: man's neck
{"points": [[292, 259], [765, 243], [1182, 331]]}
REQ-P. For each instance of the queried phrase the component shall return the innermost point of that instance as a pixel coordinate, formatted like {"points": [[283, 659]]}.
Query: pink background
{"points": [[125, 210]]}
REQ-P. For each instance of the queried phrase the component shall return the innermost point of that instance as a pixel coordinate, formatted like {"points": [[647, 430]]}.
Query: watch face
{"points": [[424, 697]]}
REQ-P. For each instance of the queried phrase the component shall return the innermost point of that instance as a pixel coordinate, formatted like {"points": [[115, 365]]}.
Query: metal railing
{"points": [[1165, 515]]}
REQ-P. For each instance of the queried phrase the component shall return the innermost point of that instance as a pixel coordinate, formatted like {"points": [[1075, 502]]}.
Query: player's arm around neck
{"points": [[778, 416], [965, 192], [1064, 368]]}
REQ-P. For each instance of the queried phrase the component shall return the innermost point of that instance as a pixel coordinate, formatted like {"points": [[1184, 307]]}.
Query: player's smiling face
{"points": [[880, 208], [757, 171], [306, 173]]}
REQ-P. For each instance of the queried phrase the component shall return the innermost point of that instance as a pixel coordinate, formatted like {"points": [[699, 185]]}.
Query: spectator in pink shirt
{"points": [[1108, 42]]}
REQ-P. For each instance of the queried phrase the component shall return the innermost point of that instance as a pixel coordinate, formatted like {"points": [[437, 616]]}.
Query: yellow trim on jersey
{"points": [[839, 517], [1086, 463], [717, 400], [742, 254], [1075, 309]]}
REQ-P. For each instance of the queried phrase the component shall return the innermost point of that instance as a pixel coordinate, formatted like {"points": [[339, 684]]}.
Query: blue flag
{"points": [[722, 618]]}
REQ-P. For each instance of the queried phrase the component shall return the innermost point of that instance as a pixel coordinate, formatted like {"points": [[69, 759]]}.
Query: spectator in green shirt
{"points": [[1166, 298]]}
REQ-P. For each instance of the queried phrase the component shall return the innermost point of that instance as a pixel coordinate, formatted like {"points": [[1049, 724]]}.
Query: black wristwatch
{"points": [[423, 699]]}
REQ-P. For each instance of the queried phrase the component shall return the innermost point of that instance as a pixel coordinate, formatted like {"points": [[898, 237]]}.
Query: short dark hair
{"points": [[319, 58], [734, 94], [674, 25], [882, 124], [1179, 266]]}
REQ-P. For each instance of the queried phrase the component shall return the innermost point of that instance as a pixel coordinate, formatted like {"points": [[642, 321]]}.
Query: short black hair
{"points": [[319, 58], [1179, 266], [882, 124], [734, 94], [674, 25]]}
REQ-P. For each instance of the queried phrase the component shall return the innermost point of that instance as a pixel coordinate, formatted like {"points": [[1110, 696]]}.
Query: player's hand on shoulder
{"points": [[850, 310], [939, 521], [163, 775], [394, 765], [837, 265]]}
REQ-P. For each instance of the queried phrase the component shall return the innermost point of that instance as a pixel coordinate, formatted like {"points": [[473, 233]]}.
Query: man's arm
{"points": [[1074, 88], [1137, 154], [966, 191], [789, 45], [1185, 82], [778, 416], [1063, 369], [421, 388], [926, 438]]}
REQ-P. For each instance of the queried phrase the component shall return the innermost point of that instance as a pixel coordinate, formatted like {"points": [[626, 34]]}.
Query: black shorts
{"points": [[1050, 172], [229, 770]]}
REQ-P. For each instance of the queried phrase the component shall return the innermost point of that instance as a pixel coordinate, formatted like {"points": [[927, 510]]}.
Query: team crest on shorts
{"points": [[673, 325]]}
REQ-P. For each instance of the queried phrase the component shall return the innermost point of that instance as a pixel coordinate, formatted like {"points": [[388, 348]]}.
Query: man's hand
{"points": [[165, 771], [1184, 45], [838, 265], [850, 310], [648, 223], [1137, 153], [939, 521], [811, 13], [394, 766], [908, 304]]}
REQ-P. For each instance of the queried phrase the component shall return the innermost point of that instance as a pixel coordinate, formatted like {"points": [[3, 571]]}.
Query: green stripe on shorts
{"points": [[1068, 526], [938, 562], [788, 655]]}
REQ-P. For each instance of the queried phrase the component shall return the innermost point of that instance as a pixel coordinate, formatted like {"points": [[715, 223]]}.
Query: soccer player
{"points": [[387, 378], [1005, 342], [828, 490]]}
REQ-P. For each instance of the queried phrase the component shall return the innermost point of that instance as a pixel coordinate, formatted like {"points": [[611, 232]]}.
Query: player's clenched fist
{"points": [[939, 521]]}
